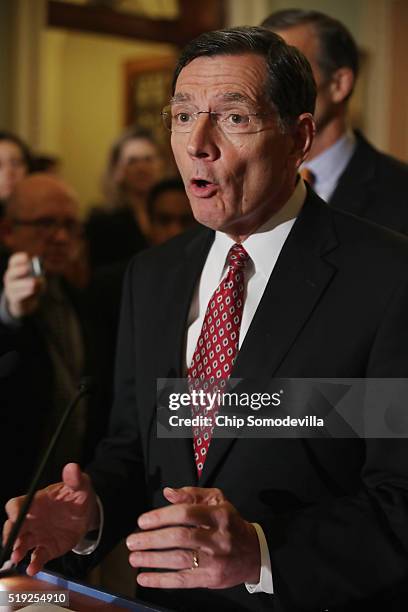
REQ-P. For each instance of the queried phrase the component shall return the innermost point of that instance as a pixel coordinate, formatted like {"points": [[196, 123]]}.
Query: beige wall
{"points": [[82, 105], [6, 14], [63, 91]]}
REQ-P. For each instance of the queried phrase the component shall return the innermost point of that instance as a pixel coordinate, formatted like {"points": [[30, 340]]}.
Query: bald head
{"points": [[34, 192], [42, 220]]}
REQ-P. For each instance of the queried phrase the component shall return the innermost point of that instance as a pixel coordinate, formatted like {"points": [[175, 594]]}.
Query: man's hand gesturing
{"points": [[202, 536], [60, 516]]}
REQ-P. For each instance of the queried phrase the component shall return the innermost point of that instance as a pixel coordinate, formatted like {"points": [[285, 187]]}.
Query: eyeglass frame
{"points": [[165, 113], [50, 225]]}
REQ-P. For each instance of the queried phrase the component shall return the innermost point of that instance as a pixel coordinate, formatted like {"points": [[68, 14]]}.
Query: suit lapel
{"points": [[178, 292], [295, 287]]}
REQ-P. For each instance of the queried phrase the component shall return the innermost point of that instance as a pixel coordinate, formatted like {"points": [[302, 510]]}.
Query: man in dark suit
{"points": [[54, 330], [343, 167], [249, 524]]}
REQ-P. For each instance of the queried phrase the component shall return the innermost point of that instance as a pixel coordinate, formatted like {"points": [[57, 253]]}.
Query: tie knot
{"points": [[237, 256], [308, 175]]}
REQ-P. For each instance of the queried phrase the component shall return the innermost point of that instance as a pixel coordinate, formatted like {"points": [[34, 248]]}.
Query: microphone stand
{"points": [[84, 388]]}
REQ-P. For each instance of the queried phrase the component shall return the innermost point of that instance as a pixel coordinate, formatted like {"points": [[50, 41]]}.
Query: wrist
{"points": [[14, 310]]}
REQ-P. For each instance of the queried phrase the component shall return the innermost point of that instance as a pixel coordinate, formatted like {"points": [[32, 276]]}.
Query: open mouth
{"points": [[201, 183], [202, 188]]}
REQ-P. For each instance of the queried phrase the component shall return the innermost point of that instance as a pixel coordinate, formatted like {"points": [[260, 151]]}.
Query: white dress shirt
{"points": [[263, 248], [328, 167]]}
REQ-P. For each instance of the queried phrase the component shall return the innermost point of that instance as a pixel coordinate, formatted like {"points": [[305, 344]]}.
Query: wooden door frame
{"points": [[195, 17]]}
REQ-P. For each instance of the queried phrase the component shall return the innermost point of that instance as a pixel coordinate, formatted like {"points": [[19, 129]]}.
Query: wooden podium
{"points": [[82, 598]]}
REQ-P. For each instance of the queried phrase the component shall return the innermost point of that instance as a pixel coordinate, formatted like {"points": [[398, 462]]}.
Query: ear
{"points": [[303, 136], [341, 84]]}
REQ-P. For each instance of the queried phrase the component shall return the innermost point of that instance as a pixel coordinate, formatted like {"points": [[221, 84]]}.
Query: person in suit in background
{"points": [[307, 291], [120, 229], [169, 214], [57, 336], [343, 167]]}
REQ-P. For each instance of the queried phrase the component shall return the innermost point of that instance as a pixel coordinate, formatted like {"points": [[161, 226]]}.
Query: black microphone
{"points": [[8, 363], [85, 387]]}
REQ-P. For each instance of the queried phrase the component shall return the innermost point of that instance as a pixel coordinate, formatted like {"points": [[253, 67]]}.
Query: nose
{"points": [[61, 234], [203, 139]]}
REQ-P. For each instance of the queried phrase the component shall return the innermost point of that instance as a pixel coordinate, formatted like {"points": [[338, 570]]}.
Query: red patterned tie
{"points": [[217, 345]]}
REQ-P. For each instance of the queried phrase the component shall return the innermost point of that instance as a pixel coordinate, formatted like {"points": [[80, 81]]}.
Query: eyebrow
{"points": [[229, 96], [180, 97], [235, 96]]}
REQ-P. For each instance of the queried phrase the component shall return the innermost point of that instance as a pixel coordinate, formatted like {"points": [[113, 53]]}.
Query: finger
{"points": [[18, 554], [19, 261], [77, 487], [13, 508], [19, 258], [184, 579], [19, 286], [178, 514], [39, 557], [7, 527], [16, 271], [194, 495], [23, 545], [175, 559], [26, 542], [73, 477], [171, 537]]}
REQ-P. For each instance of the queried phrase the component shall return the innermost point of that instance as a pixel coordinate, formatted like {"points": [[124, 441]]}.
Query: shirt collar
{"points": [[331, 163], [268, 239]]}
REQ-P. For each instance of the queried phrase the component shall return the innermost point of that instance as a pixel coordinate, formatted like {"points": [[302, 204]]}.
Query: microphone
{"points": [[85, 387], [8, 363]]}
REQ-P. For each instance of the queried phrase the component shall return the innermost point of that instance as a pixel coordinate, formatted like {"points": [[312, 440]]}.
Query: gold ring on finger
{"points": [[196, 561]]}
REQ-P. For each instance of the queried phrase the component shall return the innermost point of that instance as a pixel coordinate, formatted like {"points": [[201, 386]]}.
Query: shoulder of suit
{"points": [[364, 237], [384, 162], [368, 241], [172, 250]]}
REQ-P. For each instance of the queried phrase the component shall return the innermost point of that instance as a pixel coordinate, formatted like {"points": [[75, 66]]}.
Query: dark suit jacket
{"points": [[334, 511], [27, 393], [113, 236], [374, 186]]}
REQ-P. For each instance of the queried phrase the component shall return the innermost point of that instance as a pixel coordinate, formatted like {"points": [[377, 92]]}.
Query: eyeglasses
{"points": [[182, 121], [50, 225], [140, 159]]}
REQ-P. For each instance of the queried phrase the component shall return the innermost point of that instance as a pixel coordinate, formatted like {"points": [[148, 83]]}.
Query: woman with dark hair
{"points": [[15, 163], [119, 229]]}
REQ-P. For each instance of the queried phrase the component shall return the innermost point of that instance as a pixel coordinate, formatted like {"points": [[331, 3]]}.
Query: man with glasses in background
{"points": [[48, 322]]}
